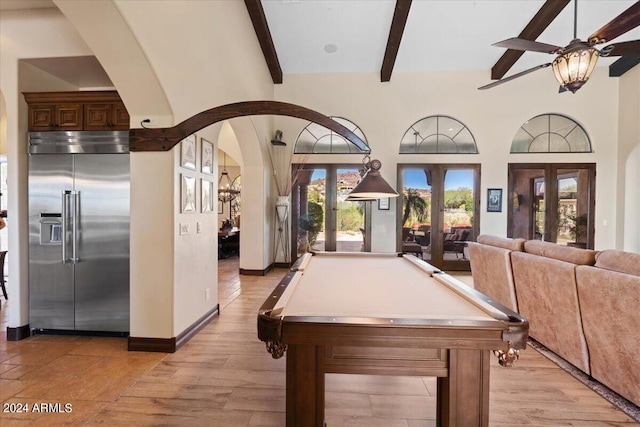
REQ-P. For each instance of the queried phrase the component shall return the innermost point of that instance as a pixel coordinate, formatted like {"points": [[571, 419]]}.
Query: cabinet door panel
{"points": [[41, 117], [120, 117], [97, 116], [68, 116]]}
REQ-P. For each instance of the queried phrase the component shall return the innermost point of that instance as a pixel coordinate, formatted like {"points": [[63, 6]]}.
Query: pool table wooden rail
{"points": [[394, 332]]}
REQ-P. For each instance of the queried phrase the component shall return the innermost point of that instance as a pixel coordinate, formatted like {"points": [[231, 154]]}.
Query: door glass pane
{"points": [[416, 212], [458, 213], [573, 207], [311, 235], [538, 223], [350, 229], [528, 207]]}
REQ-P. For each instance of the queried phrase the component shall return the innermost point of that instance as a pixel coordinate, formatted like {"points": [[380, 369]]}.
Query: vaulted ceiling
{"points": [[325, 36], [345, 36]]}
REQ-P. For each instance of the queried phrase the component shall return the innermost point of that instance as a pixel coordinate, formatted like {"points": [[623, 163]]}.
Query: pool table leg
{"points": [[305, 386], [463, 396]]}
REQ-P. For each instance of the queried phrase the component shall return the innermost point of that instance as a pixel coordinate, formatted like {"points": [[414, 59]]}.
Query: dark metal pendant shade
{"points": [[351, 198], [373, 186]]}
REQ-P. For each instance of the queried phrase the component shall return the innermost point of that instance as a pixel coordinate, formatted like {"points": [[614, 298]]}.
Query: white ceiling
{"points": [[439, 34]]}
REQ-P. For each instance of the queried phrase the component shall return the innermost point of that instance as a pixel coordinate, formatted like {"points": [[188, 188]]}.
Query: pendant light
{"points": [[226, 190], [372, 186]]}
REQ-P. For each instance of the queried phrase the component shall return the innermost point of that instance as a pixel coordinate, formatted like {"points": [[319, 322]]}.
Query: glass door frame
{"points": [[331, 207], [551, 173], [437, 209]]}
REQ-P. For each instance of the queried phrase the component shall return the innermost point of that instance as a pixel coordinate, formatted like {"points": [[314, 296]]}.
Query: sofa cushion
{"points": [[624, 262], [548, 297], [491, 271], [560, 252], [502, 242], [609, 302]]}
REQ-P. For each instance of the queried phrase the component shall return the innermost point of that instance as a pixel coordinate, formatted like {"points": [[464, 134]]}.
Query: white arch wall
{"points": [[187, 60], [384, 111]]}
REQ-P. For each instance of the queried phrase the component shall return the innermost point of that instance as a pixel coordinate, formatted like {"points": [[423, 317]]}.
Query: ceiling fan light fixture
{"points": [[573, 67]]}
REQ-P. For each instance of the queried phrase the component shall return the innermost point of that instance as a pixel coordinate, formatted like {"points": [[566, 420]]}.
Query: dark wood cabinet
{"points": [[83, 110], [111, 116], [48, 117]]}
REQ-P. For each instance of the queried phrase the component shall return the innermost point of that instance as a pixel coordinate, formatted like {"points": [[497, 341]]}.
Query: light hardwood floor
{"points": [[225, 377]]}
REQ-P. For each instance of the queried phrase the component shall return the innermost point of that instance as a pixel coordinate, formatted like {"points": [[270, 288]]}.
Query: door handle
{"points": [[74, 230], [65, 219]]}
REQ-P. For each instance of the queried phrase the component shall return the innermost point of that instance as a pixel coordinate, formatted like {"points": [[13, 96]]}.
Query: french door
{"points": [[439, 212], [552, 202], [322, 218]]}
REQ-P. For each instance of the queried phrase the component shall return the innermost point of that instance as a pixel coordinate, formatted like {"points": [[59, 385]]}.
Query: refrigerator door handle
{"points": [[65, 220], [74, 230]]}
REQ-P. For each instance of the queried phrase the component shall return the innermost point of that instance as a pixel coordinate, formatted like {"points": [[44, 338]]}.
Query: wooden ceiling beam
{"points": [[547, 13], [624, 64], [259, 20], [398, 22]]}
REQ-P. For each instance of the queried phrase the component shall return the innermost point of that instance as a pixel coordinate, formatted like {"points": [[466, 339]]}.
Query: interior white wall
{"points": [[384, 111], [222, 64], [629, 160], [195, 281], [107, 33]]}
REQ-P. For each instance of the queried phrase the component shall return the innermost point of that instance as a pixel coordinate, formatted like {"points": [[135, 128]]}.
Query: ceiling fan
{"points": [[575, 62]]}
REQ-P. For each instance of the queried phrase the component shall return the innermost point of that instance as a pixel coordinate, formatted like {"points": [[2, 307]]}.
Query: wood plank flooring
{"points": [[225, 377]]}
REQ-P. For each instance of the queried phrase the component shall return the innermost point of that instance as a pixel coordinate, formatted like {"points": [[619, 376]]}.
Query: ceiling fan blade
{"points": [[515, 76], [530, 45], [623, 48], [626, 21]]}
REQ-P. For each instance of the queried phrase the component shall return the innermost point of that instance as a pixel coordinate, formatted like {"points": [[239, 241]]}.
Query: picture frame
{"points": [[188, 194], [383, 204], [206, 153], [494, 200], [220, 208], [188, 152], [206, 189]]}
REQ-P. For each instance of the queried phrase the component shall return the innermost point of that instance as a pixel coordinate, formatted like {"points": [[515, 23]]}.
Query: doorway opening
{"points": [[323, 220], [439, 212], [552, 202]]}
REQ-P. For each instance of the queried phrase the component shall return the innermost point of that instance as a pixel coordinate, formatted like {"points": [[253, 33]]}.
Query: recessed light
{"points": [[330, 48]]}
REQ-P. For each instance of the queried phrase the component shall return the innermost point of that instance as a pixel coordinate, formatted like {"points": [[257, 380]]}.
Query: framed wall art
{"points": [[188, 152], [188, 194], [383, 204], [494, 200], [207, 157], [207, 199]]}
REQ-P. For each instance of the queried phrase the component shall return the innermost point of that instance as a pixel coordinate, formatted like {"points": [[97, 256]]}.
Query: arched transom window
{"points": [[551, 133], [438, 135], [317, 139]]}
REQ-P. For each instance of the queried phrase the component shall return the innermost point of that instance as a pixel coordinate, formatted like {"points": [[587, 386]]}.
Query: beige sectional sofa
{"points": [[582, 304], [609, 294]]}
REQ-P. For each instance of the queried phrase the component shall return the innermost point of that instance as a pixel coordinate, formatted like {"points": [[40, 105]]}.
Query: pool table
{"points": [[386, 314]]}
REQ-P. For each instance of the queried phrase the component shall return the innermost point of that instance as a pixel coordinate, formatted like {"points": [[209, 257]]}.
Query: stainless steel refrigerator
{"points": [[79, 231]]}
